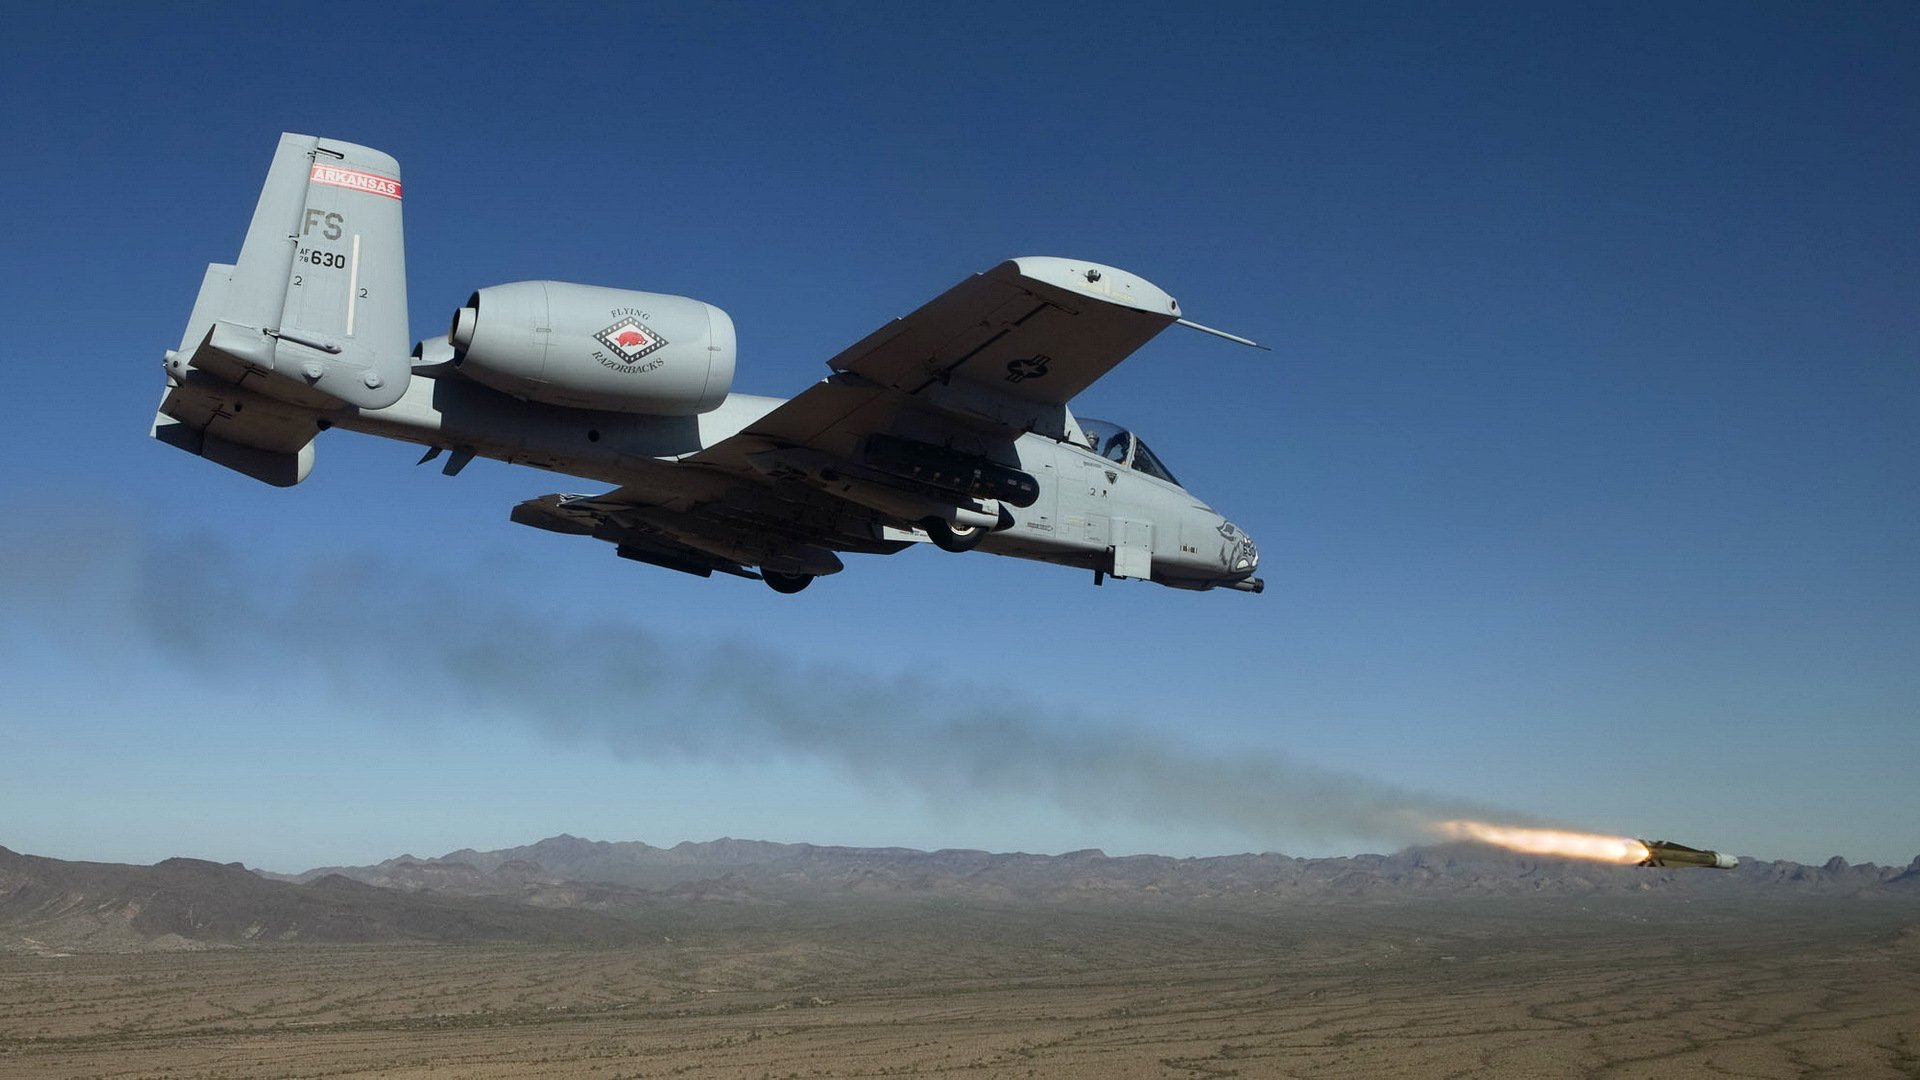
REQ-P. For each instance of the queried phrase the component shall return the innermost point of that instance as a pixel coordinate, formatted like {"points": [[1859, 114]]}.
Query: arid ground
{"points": [[1653, 987]]}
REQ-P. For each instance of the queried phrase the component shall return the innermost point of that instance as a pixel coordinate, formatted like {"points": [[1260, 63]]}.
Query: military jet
{"points": [[948, 426]]}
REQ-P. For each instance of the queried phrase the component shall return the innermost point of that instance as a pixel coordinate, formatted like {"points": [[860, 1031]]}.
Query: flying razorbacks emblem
{"points": [[630, 339]]}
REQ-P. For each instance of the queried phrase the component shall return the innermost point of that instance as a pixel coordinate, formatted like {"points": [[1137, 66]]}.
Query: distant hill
{"points": [[51, 906], [565, 889]]}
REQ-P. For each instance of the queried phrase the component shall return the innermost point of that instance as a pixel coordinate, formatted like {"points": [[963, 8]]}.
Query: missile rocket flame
{"points": [[1619, 850]]}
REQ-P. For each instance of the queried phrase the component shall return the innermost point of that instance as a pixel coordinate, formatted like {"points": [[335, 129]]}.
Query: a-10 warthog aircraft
{"points": [[949, 425]]}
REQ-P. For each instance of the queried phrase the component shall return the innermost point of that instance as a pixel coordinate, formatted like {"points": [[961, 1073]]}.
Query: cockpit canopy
{"points": [[1117, 444]]}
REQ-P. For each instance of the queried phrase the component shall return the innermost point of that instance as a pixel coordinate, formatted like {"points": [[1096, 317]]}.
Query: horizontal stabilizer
{"points": [[281, 468], [260, 437]]}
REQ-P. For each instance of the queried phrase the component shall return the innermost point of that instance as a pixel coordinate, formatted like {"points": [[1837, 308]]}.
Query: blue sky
{"points": [[1585, 468]]}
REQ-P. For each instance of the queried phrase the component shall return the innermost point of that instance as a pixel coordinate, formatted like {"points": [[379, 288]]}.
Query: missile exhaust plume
{"points": [[1619, 850], [368, 632]]}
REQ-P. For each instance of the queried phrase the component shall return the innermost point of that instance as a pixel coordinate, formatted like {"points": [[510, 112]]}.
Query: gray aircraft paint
{"points": [[305, 332]]}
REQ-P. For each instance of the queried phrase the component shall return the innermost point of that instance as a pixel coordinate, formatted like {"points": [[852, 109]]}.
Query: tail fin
{"points": [[314, 313]]}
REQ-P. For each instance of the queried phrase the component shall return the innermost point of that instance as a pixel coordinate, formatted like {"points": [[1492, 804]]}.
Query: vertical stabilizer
{"points": [[314, 312]]}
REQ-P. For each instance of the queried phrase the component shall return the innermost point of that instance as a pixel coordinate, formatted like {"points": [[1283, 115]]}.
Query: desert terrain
{"points": [[1621, 987]]}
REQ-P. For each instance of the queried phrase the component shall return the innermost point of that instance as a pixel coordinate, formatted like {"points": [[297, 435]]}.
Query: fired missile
{"points": [[1668, 853]]}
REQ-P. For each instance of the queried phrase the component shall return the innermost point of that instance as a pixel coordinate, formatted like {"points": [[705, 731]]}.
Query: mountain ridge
{"points": [[566, 889], [777, 867]]}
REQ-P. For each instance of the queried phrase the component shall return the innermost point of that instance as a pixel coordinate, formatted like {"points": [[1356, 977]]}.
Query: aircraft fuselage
{"points": [[1088, 507]]}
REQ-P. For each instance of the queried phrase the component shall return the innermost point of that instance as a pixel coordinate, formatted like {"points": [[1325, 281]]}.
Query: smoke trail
{"points": [[358, 628]]}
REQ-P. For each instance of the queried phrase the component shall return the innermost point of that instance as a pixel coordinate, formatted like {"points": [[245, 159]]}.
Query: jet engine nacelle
{"points": [[588, 347]]}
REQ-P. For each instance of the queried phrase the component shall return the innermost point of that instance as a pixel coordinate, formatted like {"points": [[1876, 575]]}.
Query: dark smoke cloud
{"points": [[375, 635]]}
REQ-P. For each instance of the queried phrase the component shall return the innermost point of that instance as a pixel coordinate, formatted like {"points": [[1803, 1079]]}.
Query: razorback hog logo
{"points": [[629, 339]]}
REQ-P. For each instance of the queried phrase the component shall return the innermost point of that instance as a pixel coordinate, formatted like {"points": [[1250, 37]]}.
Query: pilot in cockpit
{"points": [[1119, 446]]}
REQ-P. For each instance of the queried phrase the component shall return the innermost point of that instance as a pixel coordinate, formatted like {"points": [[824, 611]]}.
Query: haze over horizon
{"points": [[1584, 469]]}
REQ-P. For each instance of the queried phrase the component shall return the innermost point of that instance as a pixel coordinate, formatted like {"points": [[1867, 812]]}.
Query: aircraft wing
{"points": [[951, 387], [996, 356]]}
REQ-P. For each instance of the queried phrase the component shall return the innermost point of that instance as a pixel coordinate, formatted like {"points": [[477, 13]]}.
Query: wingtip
{"points": [[1236, 338]]}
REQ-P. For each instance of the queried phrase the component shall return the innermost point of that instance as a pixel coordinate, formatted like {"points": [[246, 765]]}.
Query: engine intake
{"points": [[589, 347]]}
